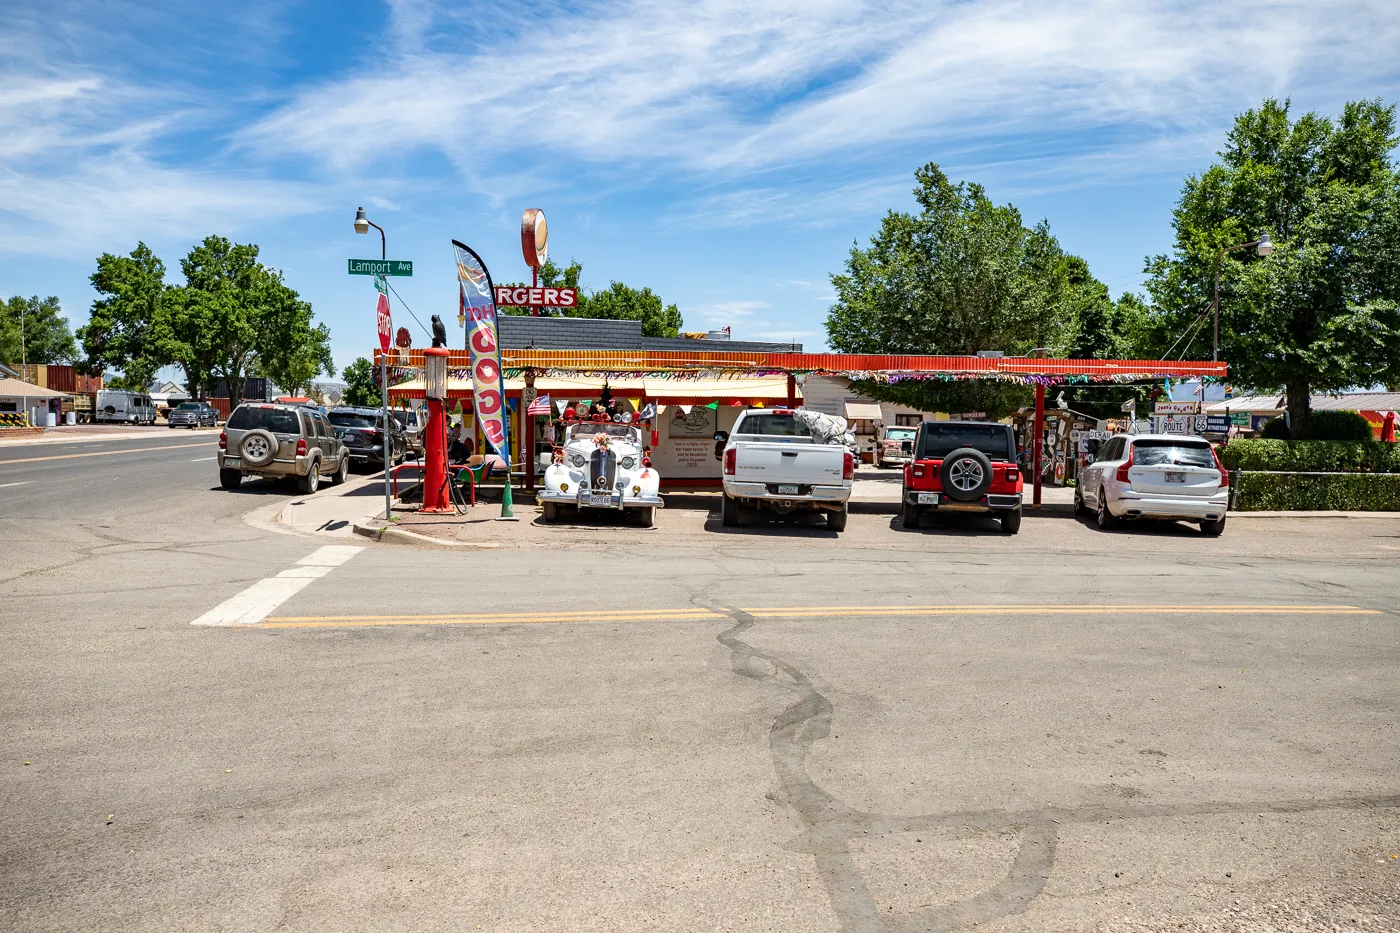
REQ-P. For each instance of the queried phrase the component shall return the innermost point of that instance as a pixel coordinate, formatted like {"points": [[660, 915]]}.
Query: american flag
{"points": [[540, 406]]}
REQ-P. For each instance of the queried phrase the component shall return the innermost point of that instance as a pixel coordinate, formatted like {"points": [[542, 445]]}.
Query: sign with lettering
{"points": [[381, 267], [526, 297], [1175, 408]]}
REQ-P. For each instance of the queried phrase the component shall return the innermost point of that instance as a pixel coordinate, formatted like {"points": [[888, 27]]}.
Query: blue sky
{"points": [[726, 153]]}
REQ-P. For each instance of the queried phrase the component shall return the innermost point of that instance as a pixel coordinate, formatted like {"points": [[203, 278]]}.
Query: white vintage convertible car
{"points": [[602, 465]]}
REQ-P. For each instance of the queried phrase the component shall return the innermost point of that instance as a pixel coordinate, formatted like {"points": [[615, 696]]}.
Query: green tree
{"points": [[618, 302], [46, 337], [118, 331], [1320, 313], [183, 333], [960, 276], [360, 388]]}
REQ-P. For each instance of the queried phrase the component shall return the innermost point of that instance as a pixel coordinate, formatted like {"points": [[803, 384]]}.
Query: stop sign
{"points": [[386, 325]]}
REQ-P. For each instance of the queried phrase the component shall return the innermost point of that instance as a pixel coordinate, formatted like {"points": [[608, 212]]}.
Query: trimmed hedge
{"points": [[1309, 492], [1311, 456], [1336, 425]]}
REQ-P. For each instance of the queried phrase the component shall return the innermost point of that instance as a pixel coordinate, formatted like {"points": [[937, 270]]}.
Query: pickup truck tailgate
{"points": [[805, 464]]}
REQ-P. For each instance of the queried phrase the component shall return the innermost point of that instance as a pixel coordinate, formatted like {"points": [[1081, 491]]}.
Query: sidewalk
{"points": [[333, 511], [86, 433]]}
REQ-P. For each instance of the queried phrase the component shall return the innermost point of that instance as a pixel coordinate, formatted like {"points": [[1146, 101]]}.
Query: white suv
{"points": [[1167, 476]]}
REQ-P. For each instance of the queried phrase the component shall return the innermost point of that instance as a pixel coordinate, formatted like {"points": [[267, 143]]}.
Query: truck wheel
{"points": [[230, 479], [549, 513], [909, 515], [1011, 521], [308, 484], [728, 511], [836, 521]]}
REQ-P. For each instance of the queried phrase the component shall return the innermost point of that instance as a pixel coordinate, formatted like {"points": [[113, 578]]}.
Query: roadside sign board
{"points": [[1240, 419], [1175, 408], [508, 297], [1218, 424], [381, 267]]}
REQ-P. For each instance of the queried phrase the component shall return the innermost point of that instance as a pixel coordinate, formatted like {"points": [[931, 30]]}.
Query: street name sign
{"points": [[381, 267]]}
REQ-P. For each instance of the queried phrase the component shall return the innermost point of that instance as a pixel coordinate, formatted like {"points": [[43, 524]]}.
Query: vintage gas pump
{"points": [[436, 494]]}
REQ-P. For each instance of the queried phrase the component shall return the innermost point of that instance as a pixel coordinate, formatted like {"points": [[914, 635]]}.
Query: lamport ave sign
{"points": [[381, 267]]}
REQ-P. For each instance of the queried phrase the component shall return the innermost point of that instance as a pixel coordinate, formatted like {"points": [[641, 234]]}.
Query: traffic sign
{"points": [[381, 267], [386, 324]]}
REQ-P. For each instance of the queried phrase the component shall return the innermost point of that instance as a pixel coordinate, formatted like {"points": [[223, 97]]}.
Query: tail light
{"points": [[1013, 476], [1224, 473], [731, 461], [918, 469], [301, 446], [848, 466], [1123, 470], [223, 440]]}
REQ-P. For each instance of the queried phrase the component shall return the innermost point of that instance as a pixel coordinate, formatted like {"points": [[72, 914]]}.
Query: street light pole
{"points": [[1265, 247], [362, 225]]}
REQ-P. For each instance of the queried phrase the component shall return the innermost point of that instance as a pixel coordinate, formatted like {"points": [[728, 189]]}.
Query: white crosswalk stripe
{"points": [[255, 603]]}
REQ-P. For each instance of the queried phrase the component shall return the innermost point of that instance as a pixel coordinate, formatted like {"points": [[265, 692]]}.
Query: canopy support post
{"points": [[792, 391], [1037, 444]]}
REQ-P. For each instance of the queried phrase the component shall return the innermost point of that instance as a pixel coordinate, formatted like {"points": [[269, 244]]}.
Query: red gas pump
{"points": [[436, 494]]}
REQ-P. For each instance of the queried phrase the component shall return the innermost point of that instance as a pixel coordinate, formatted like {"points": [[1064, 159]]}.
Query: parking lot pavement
{"points": [[699, 728]]}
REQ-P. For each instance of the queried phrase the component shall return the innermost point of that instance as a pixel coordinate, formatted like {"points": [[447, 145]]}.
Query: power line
{"points": [[426, 329]]}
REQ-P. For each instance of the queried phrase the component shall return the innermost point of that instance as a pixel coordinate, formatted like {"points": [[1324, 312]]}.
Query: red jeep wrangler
{"points": [[963, 466]]}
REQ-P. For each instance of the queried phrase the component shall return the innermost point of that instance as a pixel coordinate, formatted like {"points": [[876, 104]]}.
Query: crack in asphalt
{"points": [[831, 825]]}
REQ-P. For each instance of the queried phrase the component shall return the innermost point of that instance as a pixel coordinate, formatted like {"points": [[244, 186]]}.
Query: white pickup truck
{"points": [[772, 462]]}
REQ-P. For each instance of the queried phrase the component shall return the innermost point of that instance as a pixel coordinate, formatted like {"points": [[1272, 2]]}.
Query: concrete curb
{"points": [[1390, 515], [278, 516], [389, 534]]}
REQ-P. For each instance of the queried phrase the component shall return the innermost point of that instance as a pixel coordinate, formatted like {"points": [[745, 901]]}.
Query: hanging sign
{"points": [[488, 391], [1175, 408], [534, 238], [526, 297]]}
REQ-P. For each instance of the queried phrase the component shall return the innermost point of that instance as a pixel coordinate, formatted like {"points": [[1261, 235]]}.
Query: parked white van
{"points": [[123, 406]]}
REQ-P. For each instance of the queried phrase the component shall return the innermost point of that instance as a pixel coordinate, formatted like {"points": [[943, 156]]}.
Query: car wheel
{"points": [[341, 472], [308, 484], [1011, 521], [1080, 509], [909, 515], [728, 511], [549, 513], [1104, 516], [646, 517], [230, 479], [1213, 529], [836, 521]]}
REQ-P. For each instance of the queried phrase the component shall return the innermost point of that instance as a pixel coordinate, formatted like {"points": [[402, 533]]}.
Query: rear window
{"points": [[1174, 453], [350, 419], [276, 420], [994, 440], [773, 426]]}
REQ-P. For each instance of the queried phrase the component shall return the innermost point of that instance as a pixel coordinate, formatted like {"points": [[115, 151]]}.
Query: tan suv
{"points": [[281, 442]]}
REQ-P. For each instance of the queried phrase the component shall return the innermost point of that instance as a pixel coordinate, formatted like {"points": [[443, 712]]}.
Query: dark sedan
{"points": [[193, 415], [361, 430]]}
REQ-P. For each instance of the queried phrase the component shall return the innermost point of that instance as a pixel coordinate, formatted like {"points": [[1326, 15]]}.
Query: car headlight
{"points": [[628, 462], [577, 460]]}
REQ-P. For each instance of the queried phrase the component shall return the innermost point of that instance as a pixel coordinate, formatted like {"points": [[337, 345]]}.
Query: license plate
{"points": [[603, 500], [232, 463], [928, 498], [1176, 477], [785, 489]]}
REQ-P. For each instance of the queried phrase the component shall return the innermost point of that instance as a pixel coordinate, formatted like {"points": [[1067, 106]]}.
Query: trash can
{"points": [[70, 418]]}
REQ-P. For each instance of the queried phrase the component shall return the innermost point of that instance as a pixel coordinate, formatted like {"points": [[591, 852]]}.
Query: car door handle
{"points": [[789, 453]]}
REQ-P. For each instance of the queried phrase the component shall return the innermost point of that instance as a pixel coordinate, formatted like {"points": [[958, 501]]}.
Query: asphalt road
{"points": [[617, 729]]}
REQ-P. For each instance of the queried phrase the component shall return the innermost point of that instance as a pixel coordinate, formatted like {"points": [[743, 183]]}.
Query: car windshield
{"points": [[276, 420], [352, 419], [610, 428], [773, 426], [1172, 453], [899, 434], [187, 406], [942, 439]]}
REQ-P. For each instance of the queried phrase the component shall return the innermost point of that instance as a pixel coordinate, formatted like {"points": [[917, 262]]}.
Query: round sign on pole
{"points": [[534, 237], [403, 339]]}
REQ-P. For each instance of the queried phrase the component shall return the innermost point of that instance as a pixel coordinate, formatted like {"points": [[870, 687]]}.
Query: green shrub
{"points": [[1309, 492], [1275, 429], [1311, 456], [1329, 425]]}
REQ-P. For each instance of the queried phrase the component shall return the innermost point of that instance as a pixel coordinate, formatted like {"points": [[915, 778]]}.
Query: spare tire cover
{"points": [[258, 447], [966, 474]]}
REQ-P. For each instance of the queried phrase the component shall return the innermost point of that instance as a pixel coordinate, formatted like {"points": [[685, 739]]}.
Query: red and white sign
{"points": [[525, 297], [386, 324], [1175, 408]]}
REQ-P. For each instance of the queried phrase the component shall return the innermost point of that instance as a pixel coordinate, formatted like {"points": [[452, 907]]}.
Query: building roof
{"points": [[1347, 401], [519, 332], [14, 388]]}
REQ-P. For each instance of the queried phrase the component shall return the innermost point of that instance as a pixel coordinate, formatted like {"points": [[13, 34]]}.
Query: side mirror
{"points": [[722, 436]]}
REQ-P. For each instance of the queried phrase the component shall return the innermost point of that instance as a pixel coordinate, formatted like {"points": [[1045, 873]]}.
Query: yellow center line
{"points": [[102, 453], [689, 615]]}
